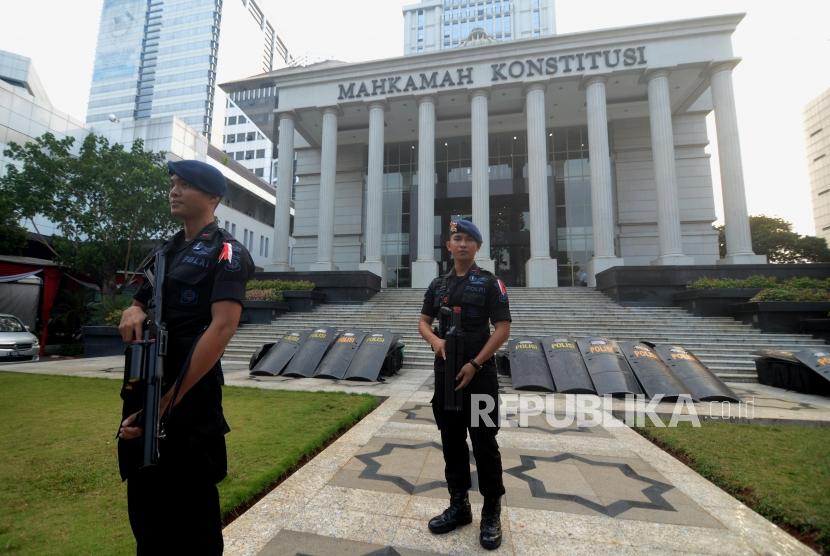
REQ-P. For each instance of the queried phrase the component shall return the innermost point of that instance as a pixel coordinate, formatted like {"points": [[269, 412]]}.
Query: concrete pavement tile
{"points": [[413, 533], [359, 500]]}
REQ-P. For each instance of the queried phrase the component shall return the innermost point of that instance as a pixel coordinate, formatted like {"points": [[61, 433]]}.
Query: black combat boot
{"points": [[459, 513], [490, 536]]}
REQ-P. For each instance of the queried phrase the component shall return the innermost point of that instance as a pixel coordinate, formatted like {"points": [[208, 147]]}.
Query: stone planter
{"points": [[780, 316], [713, 302], [302, 301], [261, 312], [819, 328], [101, 341]]}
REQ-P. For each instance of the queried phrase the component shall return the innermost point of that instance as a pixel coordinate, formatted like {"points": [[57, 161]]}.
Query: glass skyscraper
{"points": [[165, 57], [441, 24]]}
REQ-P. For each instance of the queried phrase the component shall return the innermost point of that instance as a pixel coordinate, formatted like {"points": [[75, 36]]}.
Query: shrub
{"points": [[107, 312], [271, 290], [263, 295], [792, 294], [751, 282]]}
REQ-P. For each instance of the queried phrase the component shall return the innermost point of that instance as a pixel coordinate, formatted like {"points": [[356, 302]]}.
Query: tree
{"points": [[775, 238], [105, 201]]}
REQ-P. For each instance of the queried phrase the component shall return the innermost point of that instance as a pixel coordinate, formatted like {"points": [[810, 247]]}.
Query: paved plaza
{"points": [[570, 490]]}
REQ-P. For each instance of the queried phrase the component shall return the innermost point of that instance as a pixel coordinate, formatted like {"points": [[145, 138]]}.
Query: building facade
{"points": [[572, 153], [817, 131], [443, 24], [245, 142], [164, 58], [26, 113]]}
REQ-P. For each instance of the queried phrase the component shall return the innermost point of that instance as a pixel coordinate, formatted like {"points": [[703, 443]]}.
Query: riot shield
{"points": [[260, 352], [699, 381], [654, 376], [566, 366], [279, 355], [528, 365], [305, 361], [608, 368], [337, 359], [806, 371], [369, 358]]}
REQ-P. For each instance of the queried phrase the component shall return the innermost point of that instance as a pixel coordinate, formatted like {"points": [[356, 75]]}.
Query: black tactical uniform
{"points": [[174, 506], [483, 299]]}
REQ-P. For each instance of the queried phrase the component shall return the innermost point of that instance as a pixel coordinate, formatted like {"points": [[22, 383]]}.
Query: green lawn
{"points": [[60, 492], [782, 471]]}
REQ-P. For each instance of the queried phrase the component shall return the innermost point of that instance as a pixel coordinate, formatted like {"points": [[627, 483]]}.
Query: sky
{"points": [[784, 46]]}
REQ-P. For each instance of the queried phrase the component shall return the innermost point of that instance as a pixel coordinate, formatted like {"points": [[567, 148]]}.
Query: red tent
{"points": [[14, 268]]}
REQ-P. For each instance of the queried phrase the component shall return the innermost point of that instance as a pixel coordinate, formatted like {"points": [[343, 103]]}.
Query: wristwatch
{"points": [[475, 364]]}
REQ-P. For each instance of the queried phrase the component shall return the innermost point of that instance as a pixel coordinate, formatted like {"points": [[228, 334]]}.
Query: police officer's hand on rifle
{"points": [[131, 329]]}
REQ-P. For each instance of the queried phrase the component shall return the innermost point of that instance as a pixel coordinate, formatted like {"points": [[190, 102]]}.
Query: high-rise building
{"points": [[817, 130], [441, 24], [165, 57]]}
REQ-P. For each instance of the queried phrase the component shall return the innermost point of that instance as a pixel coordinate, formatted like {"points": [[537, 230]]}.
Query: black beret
{"points": [[200, 175], [466, 227]]}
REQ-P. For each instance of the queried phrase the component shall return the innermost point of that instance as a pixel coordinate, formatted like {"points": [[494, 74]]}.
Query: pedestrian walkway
{"points": [[572, 490]]}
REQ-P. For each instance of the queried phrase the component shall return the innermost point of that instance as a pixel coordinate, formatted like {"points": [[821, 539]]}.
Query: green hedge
{"points": [[795, 289], [792, 294], [798, 283], [271, 290], [751, 282]]}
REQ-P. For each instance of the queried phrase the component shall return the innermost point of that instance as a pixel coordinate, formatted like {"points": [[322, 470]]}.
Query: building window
{"points": [[266, 246], [260, 153], [233, 230], [232, 120], [240, 137], [261, 244], [239, 155], [259, 172], [231, 139], [242, 119], [251, 136], [227, 225]]}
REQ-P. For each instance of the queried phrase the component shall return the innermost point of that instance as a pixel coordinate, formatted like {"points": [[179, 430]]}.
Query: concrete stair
{"points": [[723, 344]]}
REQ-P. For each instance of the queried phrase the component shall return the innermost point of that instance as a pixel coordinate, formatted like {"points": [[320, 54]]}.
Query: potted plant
{"points": [[714, 297], [101, 336], [263, 302], [300, 295], [784, 308]]}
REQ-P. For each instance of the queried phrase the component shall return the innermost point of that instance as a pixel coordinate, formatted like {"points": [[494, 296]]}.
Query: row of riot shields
{"points": [[602, 366], [328, 353], [806, 370]]}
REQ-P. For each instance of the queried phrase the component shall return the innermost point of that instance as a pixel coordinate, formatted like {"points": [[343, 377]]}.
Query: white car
{"points": [[16, 342]]}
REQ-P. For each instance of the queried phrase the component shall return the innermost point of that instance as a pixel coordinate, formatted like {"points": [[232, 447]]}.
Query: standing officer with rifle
{"points": [[175, 394], [465, 299]]}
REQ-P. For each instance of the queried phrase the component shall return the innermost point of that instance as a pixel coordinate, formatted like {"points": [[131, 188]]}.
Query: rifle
{"points": [[454, 349], [146, 366]]}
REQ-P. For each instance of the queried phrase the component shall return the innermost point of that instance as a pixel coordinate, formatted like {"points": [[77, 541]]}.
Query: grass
{"points": [[60, 492], [781, 471]]}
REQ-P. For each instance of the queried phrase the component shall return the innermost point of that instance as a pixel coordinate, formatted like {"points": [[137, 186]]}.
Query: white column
{"points": [[328, 176], [479, 140], [285, 182], [373, 232], [425, 268], [540, 269], [670, 240], [602, 196], [736, 218]]}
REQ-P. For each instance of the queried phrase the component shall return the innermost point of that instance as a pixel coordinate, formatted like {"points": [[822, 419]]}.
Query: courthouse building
{"points": [[572, 153]]}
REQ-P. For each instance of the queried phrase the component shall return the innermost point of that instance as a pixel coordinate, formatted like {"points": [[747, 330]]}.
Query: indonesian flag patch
{"points": [[502, 290], [227, 252]]}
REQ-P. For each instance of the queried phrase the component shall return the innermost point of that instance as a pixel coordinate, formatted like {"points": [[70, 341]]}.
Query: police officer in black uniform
{"points": [[483, 300], [174, 507]]}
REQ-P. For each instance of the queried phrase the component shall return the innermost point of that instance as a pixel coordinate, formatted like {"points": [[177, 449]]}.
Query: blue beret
{"points": [[200, 175], [467, 227]]}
